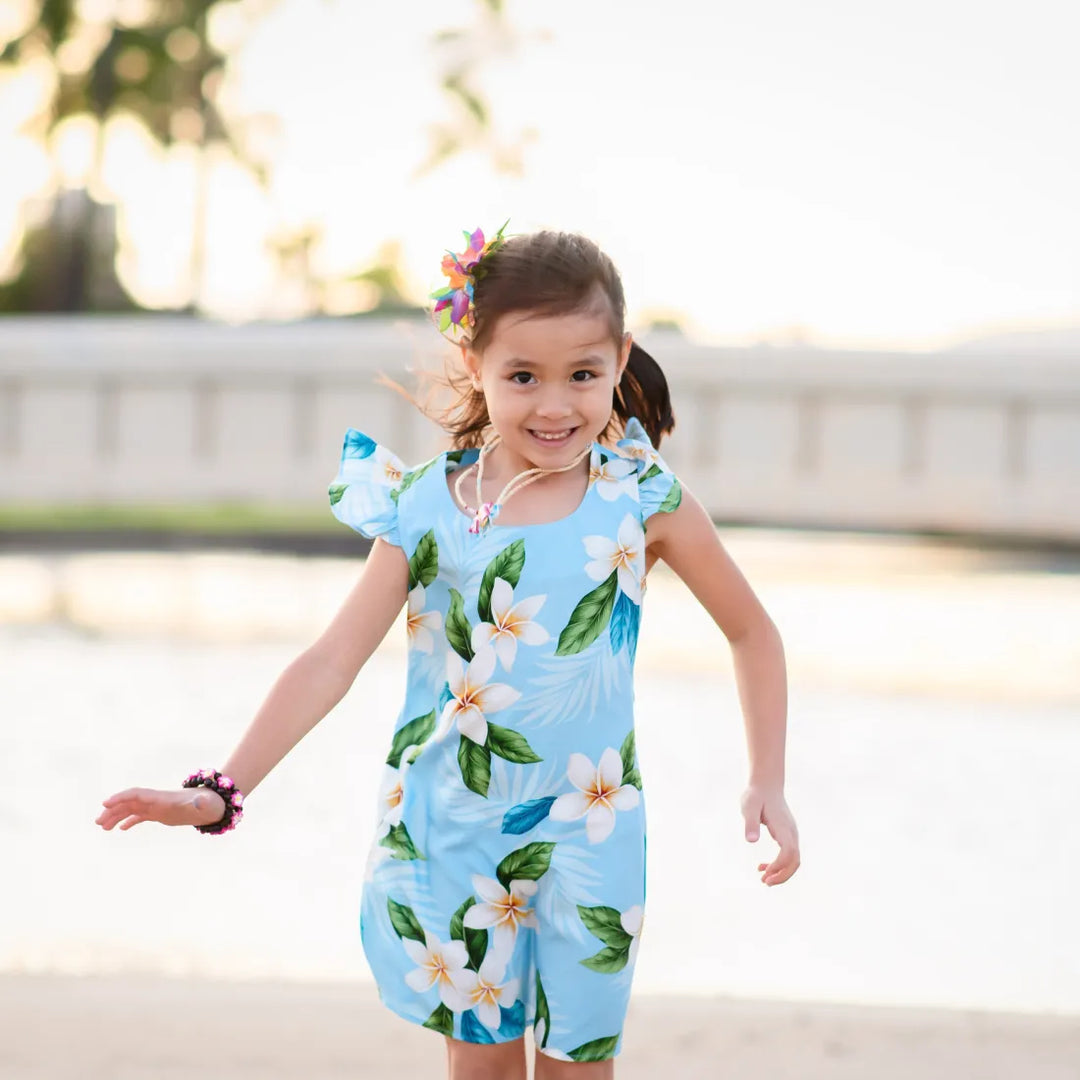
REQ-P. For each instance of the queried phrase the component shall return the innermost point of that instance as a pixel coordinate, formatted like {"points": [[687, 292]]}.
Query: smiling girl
{"points": [[512, 777]]}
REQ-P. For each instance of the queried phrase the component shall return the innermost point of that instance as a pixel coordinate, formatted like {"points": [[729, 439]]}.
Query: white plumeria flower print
{"points": [[613, 478], [472, 696], [503, 909], [625, 555], [510, 624], [392, 795], [548, 1051], [419, 623], [391, 469], [441, 965], [631, 921], [600, 792], [485, 992]]}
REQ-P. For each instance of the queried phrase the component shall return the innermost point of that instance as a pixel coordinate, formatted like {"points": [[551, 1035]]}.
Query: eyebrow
{"points": [[517, 362]]}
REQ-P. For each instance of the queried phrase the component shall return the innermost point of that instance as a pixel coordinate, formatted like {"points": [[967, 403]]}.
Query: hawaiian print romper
{"points": [[507, 882]]}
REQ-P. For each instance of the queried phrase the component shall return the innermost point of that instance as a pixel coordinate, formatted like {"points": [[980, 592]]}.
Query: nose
{"points": [[554, 404]]}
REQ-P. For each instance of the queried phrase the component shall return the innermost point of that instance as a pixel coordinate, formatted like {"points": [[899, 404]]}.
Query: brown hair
{"points": [[555, 273]]}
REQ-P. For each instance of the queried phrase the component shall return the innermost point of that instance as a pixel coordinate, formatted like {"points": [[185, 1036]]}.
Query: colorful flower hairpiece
{"points": [[454, 307]]}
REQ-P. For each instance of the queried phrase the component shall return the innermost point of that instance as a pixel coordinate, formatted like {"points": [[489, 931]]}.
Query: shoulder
{"points": [[658, 488], [373, 485]]}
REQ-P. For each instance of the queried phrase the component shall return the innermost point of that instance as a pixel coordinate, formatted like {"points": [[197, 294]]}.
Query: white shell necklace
{"points": [[485, 512]]}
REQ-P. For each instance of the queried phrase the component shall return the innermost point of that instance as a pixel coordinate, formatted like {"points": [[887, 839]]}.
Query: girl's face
{"points": [[548, 381]]}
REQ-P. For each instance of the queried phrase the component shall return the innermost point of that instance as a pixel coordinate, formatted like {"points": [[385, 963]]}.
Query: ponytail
{"points": [[643, 392]]}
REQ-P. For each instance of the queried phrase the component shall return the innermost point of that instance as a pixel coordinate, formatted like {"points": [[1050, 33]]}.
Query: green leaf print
{"points": [[458, 630], [609, 960], [649, 473], [336, 491], [400, 843], [455, 456], [529, 863], [414, 733], [424, 563], [542, 1011], [627, 752], [475, 763], [606, 924], [589, 618], [597, 1050], [671, 499], [633, 777], [476, 941], [507, 565], [510, 745], [410, 478], [404, 922], [442, 1021]]}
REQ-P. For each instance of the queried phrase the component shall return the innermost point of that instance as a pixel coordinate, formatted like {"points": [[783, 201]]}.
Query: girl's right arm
{"points": [[302, 695]]}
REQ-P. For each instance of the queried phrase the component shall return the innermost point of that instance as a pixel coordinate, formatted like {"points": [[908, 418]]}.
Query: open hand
{"points": [[188, 806], [767, 806]]}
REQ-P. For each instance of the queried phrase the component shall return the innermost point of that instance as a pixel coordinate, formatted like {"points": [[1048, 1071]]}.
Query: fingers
{"points": [[130, 807]]}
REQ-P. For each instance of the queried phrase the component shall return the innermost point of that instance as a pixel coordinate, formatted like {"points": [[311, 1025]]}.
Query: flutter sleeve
{"points": [[659, 490], [363, 495]]}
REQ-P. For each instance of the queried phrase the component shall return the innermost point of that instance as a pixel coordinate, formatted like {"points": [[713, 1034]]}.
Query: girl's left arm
{"points": [[686, 540]]}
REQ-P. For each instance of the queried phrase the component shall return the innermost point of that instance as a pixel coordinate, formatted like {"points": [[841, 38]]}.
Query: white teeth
{"points": [[552, 436]]}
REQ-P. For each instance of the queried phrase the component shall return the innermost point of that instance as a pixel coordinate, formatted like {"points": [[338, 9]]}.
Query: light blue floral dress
{"points": [[507, 882]]}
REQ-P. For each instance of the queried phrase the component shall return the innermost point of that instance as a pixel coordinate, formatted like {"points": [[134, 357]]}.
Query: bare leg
{"points": [[548, 1068], [473, 1061]]}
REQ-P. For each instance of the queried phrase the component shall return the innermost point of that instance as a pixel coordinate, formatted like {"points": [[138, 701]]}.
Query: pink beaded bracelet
{"points": [[224, 786]]}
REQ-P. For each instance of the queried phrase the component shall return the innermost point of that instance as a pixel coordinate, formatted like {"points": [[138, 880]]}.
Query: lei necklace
{"points": [[486, 512]]}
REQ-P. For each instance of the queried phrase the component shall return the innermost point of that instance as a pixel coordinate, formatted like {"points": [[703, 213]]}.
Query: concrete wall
{"points": [[166, 410]]}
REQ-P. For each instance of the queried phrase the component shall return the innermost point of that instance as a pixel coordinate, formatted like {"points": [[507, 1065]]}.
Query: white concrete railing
{"points": [[162, 410]]}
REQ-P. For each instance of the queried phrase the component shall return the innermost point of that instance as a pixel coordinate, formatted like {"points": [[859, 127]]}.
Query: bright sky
{"points": [[868, 174]]}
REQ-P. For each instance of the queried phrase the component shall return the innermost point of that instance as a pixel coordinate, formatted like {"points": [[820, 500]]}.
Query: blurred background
{"points": [[850, 235]]}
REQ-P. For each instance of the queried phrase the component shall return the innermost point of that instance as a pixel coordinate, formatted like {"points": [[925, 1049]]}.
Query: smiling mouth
{"points": [[552, 436]]}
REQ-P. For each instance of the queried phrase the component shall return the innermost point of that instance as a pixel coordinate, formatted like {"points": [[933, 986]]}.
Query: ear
{"points": [[471, 362], [624, 356]]}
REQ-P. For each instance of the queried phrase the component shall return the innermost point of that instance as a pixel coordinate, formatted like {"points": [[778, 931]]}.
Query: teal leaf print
{"points": [[472, 1030], [358, 445], [529, 863], [597, 1050], [475, 763], [510, 745], [442, 1021], [404, 922], [589, 618], [400, 843], [458, 630], [627, 752], [424, 564], [609, 960], [543, 1013], [336, 491], [409, 479], [476, 941], [649, 473], [414, 733], [624, 624], [672, 499], [507, 565], [445, 696], [527, 815], [513, 1020], [606, 924]]}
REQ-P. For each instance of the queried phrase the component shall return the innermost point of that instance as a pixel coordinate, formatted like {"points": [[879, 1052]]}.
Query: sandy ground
{"points": [[150, 1028]]}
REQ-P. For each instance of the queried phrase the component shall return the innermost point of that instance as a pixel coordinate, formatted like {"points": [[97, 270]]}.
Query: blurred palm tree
{"points": [[151, 60]]}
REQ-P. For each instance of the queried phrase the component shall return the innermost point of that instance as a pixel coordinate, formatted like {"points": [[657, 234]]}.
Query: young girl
{"points": [[522, 555]]}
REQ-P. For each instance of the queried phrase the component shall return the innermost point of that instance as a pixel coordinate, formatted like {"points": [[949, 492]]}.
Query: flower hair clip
{"points": [[454, 304]]}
